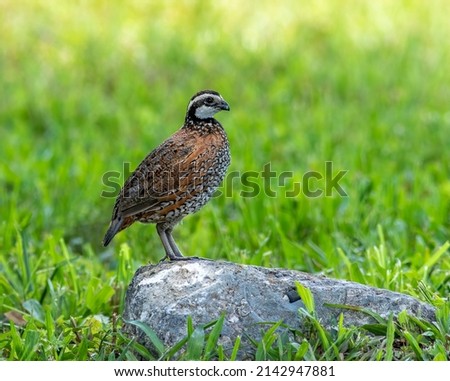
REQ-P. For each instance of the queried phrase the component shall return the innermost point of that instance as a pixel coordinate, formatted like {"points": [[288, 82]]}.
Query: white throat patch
{"points": [[204, 112]]}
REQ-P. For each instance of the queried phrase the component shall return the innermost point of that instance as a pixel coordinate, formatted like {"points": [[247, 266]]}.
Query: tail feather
{"points": [[115, 226]]}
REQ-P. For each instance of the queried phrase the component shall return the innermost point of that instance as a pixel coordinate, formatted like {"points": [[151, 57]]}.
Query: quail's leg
{"points": [[175, 249], [165, 241], [172, 243]]}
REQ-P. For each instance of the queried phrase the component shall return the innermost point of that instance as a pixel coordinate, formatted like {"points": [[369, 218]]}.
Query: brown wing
{"points": [[171, 173]]}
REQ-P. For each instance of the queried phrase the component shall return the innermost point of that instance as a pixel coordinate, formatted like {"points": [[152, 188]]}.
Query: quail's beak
{"points": [[224, 106]]}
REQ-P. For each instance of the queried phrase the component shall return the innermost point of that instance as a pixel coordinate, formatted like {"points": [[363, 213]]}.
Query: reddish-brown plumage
{"points": [[179, 176]]}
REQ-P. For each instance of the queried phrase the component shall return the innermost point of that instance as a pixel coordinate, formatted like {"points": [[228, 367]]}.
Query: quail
{"points": [[178, 177]]}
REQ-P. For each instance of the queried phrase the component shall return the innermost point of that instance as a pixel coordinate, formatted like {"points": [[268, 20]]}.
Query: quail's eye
{"points": [[209, 100]]}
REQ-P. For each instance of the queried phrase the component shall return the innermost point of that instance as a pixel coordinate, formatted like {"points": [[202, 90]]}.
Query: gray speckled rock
{"points": [[163, 295]]}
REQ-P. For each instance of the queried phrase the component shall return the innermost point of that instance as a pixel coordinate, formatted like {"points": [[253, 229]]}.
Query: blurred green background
{"points": [[86, 86]]}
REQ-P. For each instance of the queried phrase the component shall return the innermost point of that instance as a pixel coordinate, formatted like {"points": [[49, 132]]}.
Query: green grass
{"points": [[87, 87]]}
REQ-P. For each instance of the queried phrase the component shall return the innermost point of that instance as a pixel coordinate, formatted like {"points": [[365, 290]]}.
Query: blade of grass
{"points": [[390, 336], [150, 333], [306, 296], [235, 350], [414, 345], [213, 337]]}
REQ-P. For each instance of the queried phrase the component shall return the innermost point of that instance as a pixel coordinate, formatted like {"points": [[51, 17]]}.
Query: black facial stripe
{"points": [[200, 100]]}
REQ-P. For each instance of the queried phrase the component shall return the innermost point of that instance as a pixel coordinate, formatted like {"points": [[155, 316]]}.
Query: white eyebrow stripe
{"points": [[200, 97]]}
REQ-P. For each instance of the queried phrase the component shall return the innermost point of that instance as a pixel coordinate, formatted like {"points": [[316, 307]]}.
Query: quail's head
{"points": [[205, 104]]}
